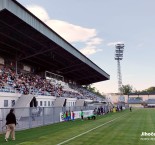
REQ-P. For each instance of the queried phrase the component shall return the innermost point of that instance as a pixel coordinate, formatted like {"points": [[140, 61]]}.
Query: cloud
{"points": [[89, 50], [91, 46], [70, 32], [112, 44], [38, 12], [95, 41]]}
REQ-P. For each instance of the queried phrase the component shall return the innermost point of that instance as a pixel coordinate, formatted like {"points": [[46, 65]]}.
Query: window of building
{"points": [[41, 103], [5, 103], [49, 103], [44, 103]]}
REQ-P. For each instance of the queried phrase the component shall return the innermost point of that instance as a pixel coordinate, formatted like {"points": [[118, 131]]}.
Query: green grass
{"points": [[125, 130]]}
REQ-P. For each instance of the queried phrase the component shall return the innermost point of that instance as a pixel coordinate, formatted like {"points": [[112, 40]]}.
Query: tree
{"points": [[126, 89], [151, 89]]}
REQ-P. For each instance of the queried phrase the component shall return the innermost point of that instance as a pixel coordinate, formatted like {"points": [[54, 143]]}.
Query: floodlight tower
{"points": [[119, 57]]}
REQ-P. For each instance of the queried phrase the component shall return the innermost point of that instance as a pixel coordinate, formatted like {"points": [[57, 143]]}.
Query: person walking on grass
{"points": [[10, 125], [81, 114]]}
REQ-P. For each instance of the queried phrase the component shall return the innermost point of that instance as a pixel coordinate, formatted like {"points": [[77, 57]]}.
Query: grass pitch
{"points": [[122, 128]]}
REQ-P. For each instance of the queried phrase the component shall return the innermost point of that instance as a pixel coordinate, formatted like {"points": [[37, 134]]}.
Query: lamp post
{"points": [[118, 57]]}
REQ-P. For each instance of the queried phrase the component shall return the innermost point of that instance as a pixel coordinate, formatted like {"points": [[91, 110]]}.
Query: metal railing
{"points": [[40, 116], [7, 89]]}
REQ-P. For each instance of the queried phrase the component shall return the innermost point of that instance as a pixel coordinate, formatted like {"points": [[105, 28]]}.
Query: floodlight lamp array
{"points": [[119, 51]]}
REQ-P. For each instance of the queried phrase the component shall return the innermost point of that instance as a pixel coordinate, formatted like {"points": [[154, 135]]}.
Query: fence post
{"points": [[43, 115], [30, 119], [52, 116]]}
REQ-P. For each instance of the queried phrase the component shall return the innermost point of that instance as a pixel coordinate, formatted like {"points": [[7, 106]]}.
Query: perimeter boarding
{"points": [[91, 115]]}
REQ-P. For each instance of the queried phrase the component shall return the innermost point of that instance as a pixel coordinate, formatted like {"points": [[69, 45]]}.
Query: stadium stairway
{"points": [[80, 102], [59, 102], [21, 104]]}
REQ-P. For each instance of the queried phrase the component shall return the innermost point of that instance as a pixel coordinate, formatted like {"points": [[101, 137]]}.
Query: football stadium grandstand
{"points": [[41, 74], [142, 100]]}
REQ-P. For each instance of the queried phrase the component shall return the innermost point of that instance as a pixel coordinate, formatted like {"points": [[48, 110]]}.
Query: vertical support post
{"points": [[52, 115], [128, 100], [43, 115], [16, 67], [16, 64], [30, 117], [119, 76]]}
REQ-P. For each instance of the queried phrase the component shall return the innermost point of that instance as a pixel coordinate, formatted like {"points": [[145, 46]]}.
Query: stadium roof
{"points": [[24, 37]]}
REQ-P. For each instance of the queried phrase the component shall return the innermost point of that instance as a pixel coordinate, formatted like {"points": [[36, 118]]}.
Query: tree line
{"points": [[128, 89], [125, 90]]}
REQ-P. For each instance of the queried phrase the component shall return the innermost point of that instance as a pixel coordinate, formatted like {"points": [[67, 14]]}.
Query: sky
{"points": [[94, 27]]}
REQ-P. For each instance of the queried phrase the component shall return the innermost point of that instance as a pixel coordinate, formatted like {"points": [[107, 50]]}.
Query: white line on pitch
{"points": [[89, 130]]}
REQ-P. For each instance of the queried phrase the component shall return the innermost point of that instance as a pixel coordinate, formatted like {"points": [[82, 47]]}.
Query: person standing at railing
{"points": [[10, 125], [69, 115], [81, 114], [73, 115]]}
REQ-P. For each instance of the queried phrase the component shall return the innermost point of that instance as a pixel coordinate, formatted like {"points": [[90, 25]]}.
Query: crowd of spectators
{"points": [[85, 94], [29, 83], [25, 83]]}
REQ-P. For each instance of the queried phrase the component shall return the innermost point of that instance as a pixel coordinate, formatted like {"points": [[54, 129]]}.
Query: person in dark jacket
{"points": [[10, 125]]}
